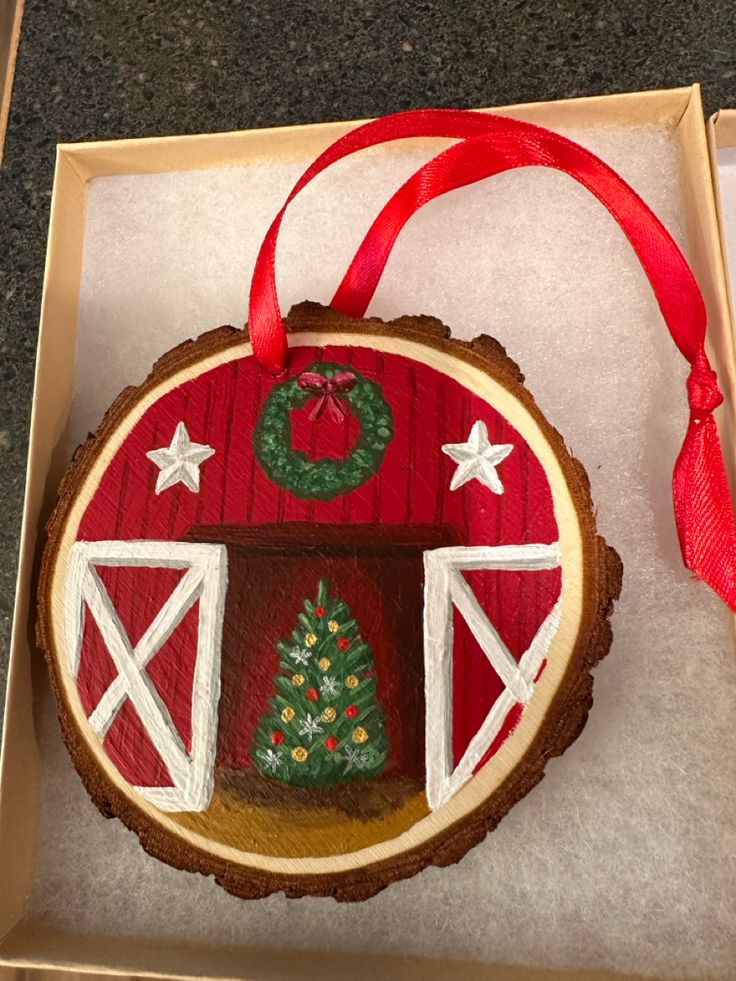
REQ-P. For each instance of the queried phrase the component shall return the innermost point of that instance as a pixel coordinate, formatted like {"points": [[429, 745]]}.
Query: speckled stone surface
{"points": [[103, 69]]}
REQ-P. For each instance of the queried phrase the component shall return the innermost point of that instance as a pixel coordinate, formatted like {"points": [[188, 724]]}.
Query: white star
{"points": [[180, 462], [477, 459], [329, 686], [357, 758], [271, 760], [310, 727], [300, 654]]}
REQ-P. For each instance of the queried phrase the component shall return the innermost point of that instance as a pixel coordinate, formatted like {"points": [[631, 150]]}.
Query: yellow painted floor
{"points": [[246, 816]]}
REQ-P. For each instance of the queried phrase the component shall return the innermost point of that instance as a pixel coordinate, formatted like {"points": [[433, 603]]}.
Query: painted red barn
{"points": [[193, 587]]}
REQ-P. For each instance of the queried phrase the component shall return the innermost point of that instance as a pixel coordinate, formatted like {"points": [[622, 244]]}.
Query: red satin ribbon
{"points": [[491, 144]]}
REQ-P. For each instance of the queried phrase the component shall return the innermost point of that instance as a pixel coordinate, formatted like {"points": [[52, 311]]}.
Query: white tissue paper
{"points": [[624, 857]]}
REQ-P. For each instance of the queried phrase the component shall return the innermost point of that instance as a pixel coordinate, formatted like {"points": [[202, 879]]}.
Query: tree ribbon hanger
{"points": [[491, 144]]}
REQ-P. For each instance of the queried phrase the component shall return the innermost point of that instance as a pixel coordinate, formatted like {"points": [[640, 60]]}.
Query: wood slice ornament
{"points": [[315, 629]]}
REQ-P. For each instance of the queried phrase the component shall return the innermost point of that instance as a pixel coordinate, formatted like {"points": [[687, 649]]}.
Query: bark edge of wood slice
{"points": [[563, 720]]}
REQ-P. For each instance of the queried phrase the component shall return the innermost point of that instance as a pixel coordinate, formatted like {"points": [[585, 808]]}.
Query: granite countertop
{"points": [[103, 69]]}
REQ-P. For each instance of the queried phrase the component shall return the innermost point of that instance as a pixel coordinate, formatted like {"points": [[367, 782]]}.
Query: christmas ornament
{"points": [[224, 559]]}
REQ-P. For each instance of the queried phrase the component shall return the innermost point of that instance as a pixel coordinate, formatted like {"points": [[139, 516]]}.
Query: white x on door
{"points": [[446, 588], [205, 580]]}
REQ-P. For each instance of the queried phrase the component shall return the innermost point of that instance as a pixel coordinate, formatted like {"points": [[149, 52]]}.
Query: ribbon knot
{"points": [[703, 392], [329, 391]]}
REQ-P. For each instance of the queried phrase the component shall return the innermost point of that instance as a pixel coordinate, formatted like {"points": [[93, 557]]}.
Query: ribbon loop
{"points": [[490, 144], [703, 392]]}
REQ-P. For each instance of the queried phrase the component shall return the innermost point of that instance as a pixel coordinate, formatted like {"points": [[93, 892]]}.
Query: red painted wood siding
{"points": [[219, 409]]}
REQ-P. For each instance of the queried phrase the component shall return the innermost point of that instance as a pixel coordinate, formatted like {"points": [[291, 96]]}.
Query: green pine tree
{"points": [[325, 724]]}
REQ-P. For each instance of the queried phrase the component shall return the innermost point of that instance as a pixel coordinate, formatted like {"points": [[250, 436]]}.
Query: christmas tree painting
{"points": [[325, 724]]}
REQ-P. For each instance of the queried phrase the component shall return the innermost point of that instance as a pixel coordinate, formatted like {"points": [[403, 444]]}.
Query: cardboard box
{"points": [[722, 142], [11, 13], [27, 943]]}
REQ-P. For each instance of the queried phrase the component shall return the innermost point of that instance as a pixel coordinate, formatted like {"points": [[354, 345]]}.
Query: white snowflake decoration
{"points": [[271, 759], [310, 727], [300, 655], [356, 757], [329, 686]]}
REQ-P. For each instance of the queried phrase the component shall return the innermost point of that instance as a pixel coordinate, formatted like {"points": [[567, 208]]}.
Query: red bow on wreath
{"points": [[329, 390]]}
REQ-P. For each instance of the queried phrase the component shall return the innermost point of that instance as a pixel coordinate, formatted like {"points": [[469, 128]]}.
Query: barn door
{"points": [[188, 761], [446, 590]]}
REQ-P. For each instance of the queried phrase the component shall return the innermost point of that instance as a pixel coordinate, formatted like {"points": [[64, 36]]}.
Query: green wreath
{"points": [[325, 478]]}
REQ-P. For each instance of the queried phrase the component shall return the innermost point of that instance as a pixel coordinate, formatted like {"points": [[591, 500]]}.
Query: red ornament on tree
{"points": [[331, 743], [277, 737], [343, 644], [319, 611], [351, 711], [312, 694]]}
